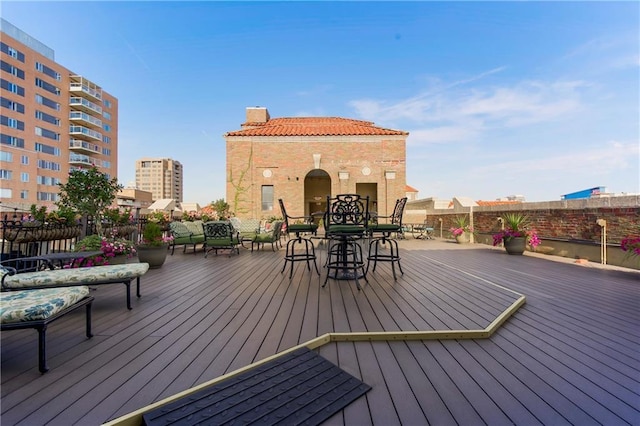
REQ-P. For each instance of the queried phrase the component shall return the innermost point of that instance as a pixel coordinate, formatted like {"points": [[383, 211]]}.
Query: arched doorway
{"points": [[317, 185]]}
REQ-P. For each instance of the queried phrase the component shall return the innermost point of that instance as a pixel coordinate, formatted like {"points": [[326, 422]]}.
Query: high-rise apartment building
{"points": [[52, 121], [160, 176]]}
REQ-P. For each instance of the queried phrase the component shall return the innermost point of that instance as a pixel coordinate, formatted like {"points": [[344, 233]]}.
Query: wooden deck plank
{"points": [[570, 355]]}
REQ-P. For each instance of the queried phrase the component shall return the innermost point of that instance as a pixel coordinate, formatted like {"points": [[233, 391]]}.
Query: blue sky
{"points": [[500, 98]]}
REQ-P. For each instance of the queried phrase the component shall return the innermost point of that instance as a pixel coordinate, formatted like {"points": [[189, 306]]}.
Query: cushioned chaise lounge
{"points": [[95, 275], [38, 308]]}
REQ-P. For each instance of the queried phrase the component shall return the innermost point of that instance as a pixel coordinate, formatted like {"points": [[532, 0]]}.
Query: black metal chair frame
{"points": [[309, 253], [41, 327], [345, 224], [220, 235], [385, 231]]}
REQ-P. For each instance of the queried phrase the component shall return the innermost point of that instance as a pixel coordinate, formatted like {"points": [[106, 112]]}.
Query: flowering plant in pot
{"points": [[461, 229], [112, 248], [516, 225], [153, 236], [631, 245], [152, 248]]}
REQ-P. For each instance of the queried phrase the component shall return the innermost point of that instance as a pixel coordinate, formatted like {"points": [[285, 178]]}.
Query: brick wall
{"points": [[567, 219], [290, 159]]}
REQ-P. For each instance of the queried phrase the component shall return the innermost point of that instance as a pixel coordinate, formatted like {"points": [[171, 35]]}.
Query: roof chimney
{"points": [[257, 115]]}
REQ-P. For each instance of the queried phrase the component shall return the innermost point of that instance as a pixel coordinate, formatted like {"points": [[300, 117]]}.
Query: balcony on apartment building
{"points": [[84, 133], [80, 86], [82, 160], [79, 117], [85, 105], [83, 147]]}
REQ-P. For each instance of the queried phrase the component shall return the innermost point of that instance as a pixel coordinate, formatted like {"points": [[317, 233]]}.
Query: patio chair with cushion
{"points": [[273, 236], [380, 234], [186, 234], [220, 235], [346, 223], [247, 228], [299, 225]]}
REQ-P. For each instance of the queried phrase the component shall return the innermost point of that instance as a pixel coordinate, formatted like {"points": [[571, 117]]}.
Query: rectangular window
{"points": [[46, 180], [47, 134], [11, 140], [8, 68], [106, 127], [106, 115], [24, 177], [12, 122], [48, 71], [5, 174], [47, 86], [12, 105], [5, 193], [107, 103], [24, 194], [47, 149], [47, 118], [106, 151], [24, 159], [106, 139], [47, 102], [6, 156], [267, 197], [47, 196], [5, 48], [11, 87], [48, 165]]}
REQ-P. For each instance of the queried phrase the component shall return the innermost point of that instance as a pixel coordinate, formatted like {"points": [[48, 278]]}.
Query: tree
{"points": [[89, 192], [221, 207]]}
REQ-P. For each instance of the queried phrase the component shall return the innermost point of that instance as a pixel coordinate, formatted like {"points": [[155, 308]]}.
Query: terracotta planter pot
{"points": [[515, 245]]}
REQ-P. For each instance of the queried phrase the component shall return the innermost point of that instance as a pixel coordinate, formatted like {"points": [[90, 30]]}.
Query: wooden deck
{"points": [[570, 355]]}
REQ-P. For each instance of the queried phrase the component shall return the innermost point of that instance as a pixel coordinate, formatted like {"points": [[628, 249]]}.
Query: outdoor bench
{"points": [[13, 279], [186, 234], [38, 308]]}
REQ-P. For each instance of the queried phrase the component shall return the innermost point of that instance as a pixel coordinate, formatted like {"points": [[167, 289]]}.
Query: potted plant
{"points": [[631, 245], [89, 192], [114, 250], [515, 236], [153, 246], [461, 230]]}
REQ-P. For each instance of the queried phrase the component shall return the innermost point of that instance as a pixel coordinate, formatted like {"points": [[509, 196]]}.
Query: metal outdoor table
{"points": [[61, 258]]}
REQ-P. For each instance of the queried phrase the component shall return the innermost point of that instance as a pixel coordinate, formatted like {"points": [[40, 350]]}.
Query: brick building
{"points": [[52, 121], [304, 159]]}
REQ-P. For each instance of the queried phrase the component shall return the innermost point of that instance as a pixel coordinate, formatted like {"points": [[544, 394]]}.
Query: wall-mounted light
{"points": [[316, 160], [343, 175], [390, 174]]}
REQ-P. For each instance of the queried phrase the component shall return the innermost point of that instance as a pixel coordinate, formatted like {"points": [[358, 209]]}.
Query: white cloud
{"points": [[437, 135], [612, 156]]}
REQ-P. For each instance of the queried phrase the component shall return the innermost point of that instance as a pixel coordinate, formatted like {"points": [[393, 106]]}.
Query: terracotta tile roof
{"points": [[408, 188], [313, 126], [497, 202]]}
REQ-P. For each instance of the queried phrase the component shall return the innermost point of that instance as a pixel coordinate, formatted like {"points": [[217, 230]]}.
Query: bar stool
{"points": [[345, 224], [306, 251], [385, 230]]}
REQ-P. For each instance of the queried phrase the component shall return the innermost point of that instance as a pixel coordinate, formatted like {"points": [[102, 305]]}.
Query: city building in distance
{"points": [[52, 121], [162, 177]]}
